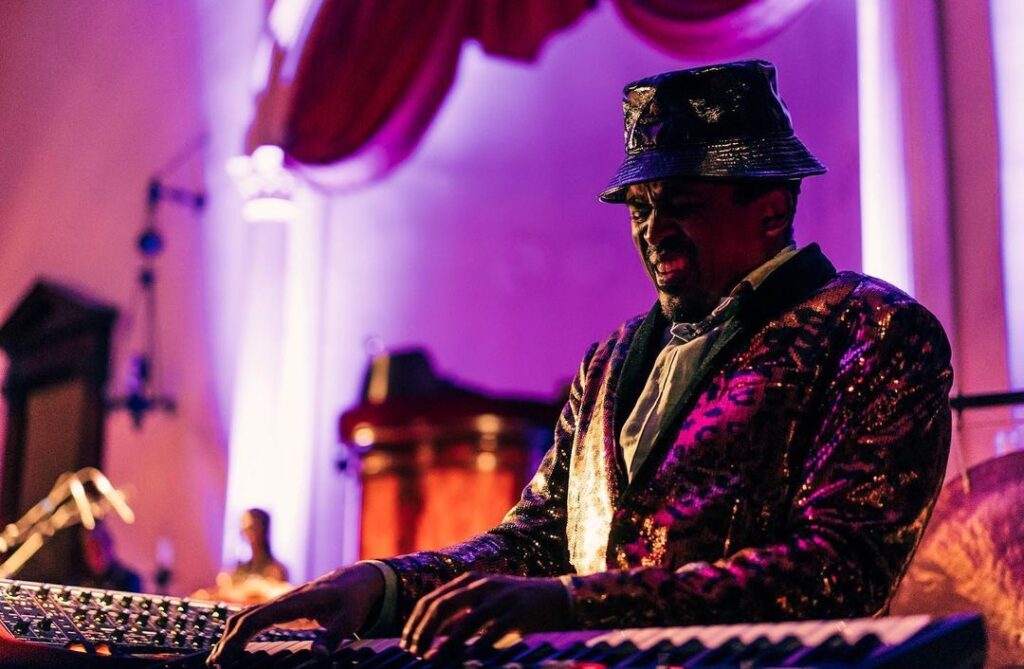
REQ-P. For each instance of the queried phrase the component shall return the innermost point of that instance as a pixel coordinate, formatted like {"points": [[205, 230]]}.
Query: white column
{"points": [[1007, 29], [270, 462], [885, 228]]}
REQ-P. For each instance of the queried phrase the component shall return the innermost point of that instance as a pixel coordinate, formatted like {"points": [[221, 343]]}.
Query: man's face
{"points": [[696, 241]]}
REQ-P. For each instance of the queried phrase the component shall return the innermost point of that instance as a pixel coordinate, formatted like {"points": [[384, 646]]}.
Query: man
{"points": [[765, 444]]}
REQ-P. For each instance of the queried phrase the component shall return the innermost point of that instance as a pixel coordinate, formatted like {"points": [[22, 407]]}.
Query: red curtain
{"points": [[371, 74]]}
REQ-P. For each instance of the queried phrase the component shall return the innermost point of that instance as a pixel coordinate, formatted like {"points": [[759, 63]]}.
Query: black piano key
{"points": [[681, 654], [732, 653], [721, 654], [753, 651], [343, 654], [385, 657], [865, 647], [304, 656], [779, 652], [618, 652], [594, 653], [295, 660], [644, 658], [390, 657], [831, 649], [406, 660], [255, 660], [349, 657], [569, 652]]}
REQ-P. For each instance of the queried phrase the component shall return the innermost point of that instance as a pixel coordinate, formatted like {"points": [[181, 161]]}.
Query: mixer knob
{"points": [[84, 596], [183, 606], [123, 616], [21, 627], [164, 604], [142, 619], [219, 611], [43, 592], [14, 589], [162, 622], [65, 594], [117, 636], [180, 638], [45, 625], [160, 637], [126, 600], [107, 598]]}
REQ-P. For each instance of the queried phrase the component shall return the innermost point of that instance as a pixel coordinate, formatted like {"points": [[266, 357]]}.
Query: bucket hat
{"points": [[717, 122]]}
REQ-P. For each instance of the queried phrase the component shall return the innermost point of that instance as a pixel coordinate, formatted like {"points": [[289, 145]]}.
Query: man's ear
{"points": [[776, 212]]}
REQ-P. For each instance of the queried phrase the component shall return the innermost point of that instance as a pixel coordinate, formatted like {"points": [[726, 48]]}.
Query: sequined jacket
{"points": [[792, 481]]}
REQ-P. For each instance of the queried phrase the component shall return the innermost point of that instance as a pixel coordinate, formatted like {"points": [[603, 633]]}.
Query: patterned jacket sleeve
{"points": [[860, 503], [530, 540]]}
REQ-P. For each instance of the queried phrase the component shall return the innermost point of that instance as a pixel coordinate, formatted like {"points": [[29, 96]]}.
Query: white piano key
{"points": [[894, 631], [277, 647]]}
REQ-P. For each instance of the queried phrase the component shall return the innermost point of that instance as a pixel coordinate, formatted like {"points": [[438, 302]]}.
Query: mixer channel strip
{"points": [[116, 623]]}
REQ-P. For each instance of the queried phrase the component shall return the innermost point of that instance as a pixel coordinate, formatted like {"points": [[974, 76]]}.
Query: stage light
{"points": [[266, 184]]}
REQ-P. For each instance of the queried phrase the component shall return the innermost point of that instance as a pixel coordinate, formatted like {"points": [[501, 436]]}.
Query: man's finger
{"points": [[420, 612], [328, 640], [243, 626], [487, 621], [424, 603], [442, 612]]}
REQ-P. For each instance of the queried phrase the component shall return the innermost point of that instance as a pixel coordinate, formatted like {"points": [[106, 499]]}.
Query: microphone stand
{"points": [[79, 497]]}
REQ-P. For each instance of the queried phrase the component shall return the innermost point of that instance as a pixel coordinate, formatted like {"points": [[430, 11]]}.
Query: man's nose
{"points": [[658, 228]]}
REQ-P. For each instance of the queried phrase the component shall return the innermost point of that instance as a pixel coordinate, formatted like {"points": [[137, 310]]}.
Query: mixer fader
{"points": [[115, 623]]}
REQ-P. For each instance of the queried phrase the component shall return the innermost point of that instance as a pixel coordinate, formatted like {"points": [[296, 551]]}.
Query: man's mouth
{"points": [[668, 269]]}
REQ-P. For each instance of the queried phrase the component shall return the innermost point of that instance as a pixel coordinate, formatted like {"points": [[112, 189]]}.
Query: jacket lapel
{"points": [[643, 350], [788, 285]]}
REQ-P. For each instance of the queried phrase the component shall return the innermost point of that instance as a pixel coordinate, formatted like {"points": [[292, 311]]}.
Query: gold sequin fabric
{"points": [[793, 480]]}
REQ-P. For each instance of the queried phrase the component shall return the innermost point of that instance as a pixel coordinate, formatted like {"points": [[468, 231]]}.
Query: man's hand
{"points": [[340, 602], [488, 605]]}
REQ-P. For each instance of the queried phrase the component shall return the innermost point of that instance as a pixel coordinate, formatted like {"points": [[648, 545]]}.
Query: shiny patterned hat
{"points": [[718, 122]]}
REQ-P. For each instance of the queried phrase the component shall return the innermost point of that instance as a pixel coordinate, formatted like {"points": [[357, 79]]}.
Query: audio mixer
{"points": [[105, 622]]}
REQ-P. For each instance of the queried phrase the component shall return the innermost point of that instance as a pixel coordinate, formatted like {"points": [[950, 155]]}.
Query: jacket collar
{"points": [[790, 283]]}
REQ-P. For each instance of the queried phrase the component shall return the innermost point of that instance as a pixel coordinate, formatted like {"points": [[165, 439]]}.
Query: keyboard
{"points": [[956, 642], [44, 625]]}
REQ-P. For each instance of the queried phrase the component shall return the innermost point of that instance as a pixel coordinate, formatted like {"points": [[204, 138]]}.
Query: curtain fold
{"points": [[708, 28], [372, 75]]}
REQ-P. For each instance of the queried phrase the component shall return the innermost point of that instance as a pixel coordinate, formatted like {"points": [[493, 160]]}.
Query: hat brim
{"points": [[763, 158]]}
